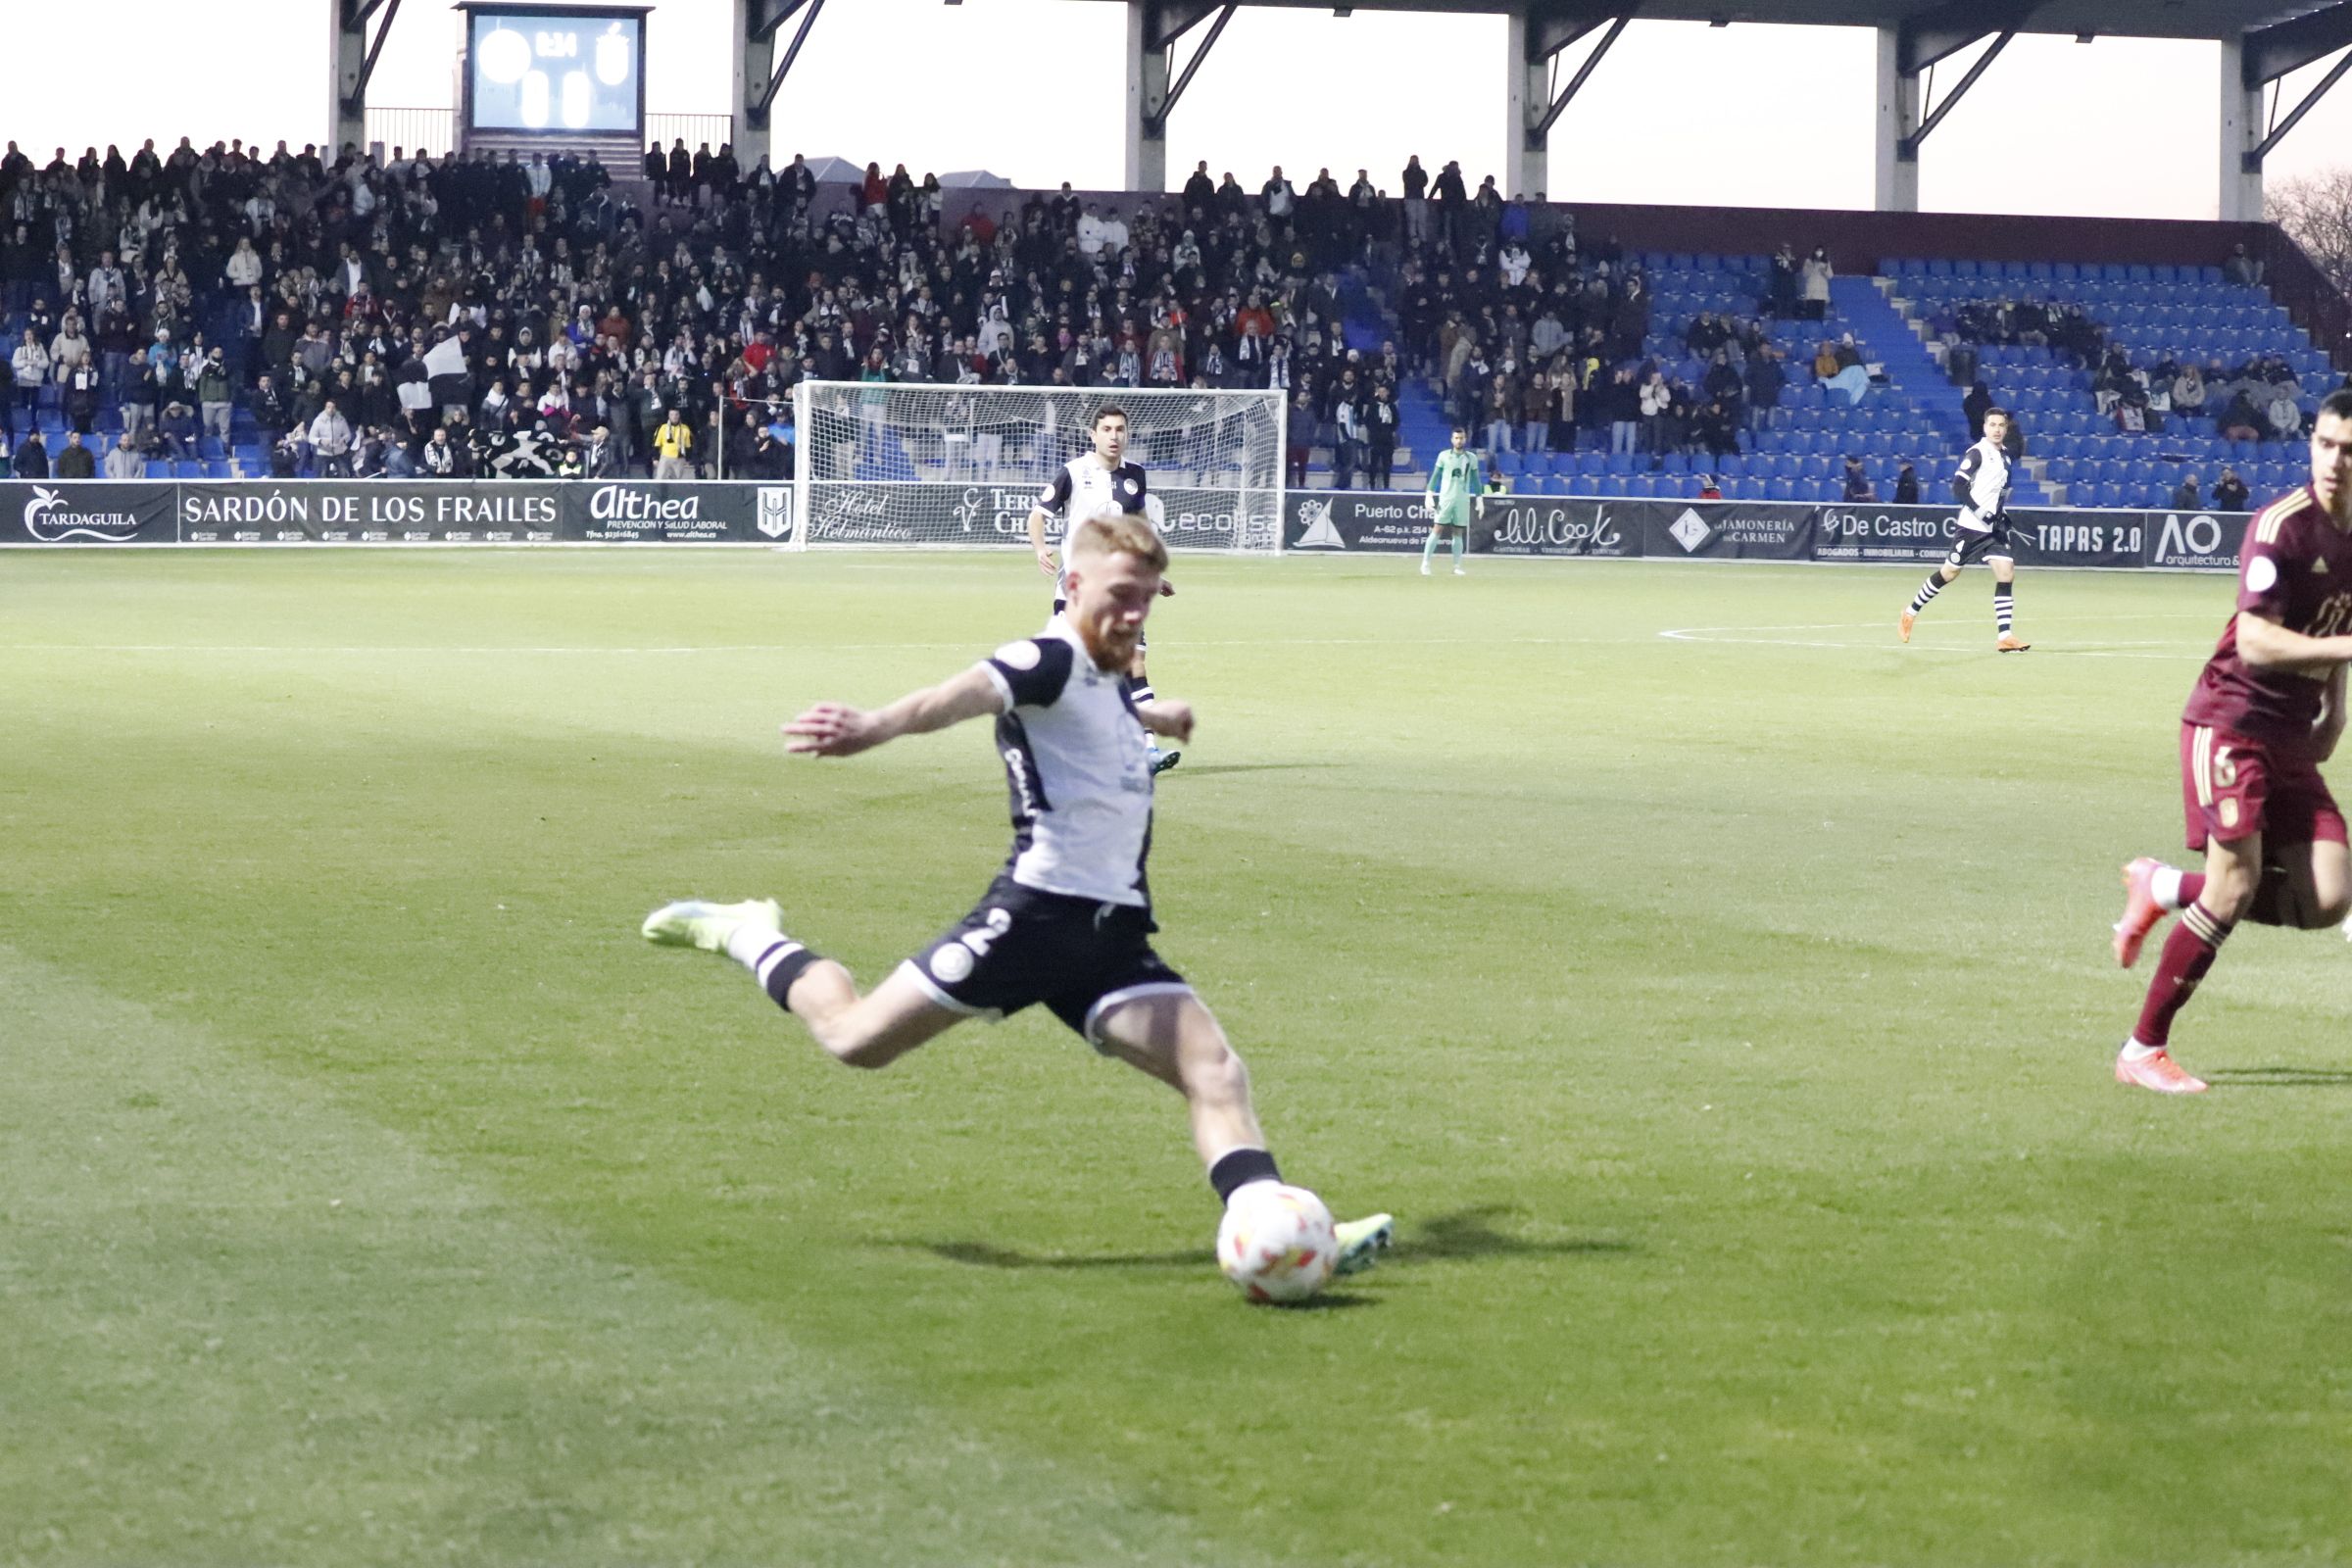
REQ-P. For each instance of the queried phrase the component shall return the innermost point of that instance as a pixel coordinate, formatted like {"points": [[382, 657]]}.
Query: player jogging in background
{"points": [[1068, 920], [1456, 487], [2268, 709], [1094, 482], [1981, 487]]}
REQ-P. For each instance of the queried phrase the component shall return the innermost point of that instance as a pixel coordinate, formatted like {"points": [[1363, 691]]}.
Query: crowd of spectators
{"points": [[1534, 339], [2258, 399], [489, 315], [492, 314]]}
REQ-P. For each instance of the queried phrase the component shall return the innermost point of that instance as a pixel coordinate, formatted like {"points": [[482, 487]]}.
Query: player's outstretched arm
{"points": [[1037, 518], [831, 729], [1165, 715], [2267, 644]]}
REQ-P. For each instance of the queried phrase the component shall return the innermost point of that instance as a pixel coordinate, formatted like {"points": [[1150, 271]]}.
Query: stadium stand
{"points": [[527, 304], [2098, 363]]}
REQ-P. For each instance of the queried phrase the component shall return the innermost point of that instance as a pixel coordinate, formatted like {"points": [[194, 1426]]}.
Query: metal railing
{"points": [[431, 131], [434, 132], [693, 129]]}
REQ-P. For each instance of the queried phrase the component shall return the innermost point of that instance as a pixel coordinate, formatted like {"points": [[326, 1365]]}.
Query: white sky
{"points": [[1679, 113]]}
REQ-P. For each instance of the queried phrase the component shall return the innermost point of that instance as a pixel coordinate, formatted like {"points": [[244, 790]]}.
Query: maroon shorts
{"points": [[2231, 786]]}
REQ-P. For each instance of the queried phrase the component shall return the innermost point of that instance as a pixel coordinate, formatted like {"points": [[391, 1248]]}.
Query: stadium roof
{"points": [[2123, 19]]}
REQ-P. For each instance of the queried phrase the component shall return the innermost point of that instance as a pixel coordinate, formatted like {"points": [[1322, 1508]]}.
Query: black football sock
{"points": [[785, 961], [1238, 1170]]}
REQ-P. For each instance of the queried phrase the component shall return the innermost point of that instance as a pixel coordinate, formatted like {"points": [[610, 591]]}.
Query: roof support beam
{"points": [[1951, 100], [358, 93], [1555, 24], [1170, 20], [355, 55], [762, 17], [1948, 28], [757, 113], [2271, 51], [1156, 116], [1541, 128], [2262, 150]]}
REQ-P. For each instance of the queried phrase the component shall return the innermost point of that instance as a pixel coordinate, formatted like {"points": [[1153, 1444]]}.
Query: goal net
{"points": [[932, 466]]}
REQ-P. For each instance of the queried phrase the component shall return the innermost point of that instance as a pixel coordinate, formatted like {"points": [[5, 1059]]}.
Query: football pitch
{"points": [[1717, 992]]}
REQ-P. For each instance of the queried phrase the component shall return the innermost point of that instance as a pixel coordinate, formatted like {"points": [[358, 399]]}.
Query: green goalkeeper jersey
{"points": [[1454, 480]]}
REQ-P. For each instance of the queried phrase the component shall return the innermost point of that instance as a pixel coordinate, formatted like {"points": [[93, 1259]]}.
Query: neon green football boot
{"points": [[1362, 1242], [694, 923]]}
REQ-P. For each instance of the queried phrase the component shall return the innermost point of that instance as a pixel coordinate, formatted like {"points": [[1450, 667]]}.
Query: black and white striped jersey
{"points": [[1084, 487], [1982, 485], [1078, 767]]}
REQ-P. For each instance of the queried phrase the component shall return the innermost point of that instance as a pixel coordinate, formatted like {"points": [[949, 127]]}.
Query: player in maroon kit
{"points": [[2267, 710]]}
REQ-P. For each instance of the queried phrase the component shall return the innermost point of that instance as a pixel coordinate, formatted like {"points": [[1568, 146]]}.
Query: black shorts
{"points": [[1019, 945], [1975, 545]]}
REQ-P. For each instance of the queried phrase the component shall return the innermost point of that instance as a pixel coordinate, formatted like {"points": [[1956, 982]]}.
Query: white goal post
{"points": [[926, 466]]}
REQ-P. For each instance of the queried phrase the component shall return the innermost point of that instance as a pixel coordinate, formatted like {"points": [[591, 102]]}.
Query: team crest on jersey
{"points": [[1127, 487]]}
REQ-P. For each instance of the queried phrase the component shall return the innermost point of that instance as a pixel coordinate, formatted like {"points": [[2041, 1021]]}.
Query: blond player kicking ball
{"points": [[1068, 921], [2267, 710]]}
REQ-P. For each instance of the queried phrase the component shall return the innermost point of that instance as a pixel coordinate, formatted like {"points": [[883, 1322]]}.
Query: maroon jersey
{"points": [[2295, 569]]}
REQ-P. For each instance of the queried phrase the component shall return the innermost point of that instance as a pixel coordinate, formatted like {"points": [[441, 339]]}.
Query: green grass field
{"points": [[1727, 1018]]}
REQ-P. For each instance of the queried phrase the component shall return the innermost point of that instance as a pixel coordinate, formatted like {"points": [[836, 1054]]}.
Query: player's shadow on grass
{"points": [[1465, 1234], [1470, 1234], [1212, 769], [2280, 1077]]}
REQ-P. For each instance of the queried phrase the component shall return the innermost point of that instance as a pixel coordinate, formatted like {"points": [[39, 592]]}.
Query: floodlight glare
{"points": [[504, 55]]}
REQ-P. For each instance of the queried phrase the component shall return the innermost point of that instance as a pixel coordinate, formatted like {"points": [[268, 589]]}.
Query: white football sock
{"points": [[748, 941], [2165, 887]]}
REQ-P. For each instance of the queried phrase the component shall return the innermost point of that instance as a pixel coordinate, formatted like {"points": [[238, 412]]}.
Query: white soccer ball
{"points": [[1276, 1242]]}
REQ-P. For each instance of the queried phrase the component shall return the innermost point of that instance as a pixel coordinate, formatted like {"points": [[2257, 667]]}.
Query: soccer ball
{"points": [[1276, 1242]]}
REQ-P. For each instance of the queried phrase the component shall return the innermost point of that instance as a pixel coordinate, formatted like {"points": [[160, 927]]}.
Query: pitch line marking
{"points": [[1728, 636]]}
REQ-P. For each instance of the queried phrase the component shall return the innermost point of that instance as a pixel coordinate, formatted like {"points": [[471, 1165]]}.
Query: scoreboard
{"points": [[534, 70]]}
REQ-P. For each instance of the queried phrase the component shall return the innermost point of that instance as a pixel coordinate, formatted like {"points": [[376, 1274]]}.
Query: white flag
{"points": [[445, 357]]}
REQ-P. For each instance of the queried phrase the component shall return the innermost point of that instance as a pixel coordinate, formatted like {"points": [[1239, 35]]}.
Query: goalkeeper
{"points": [[1455, 489]]}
